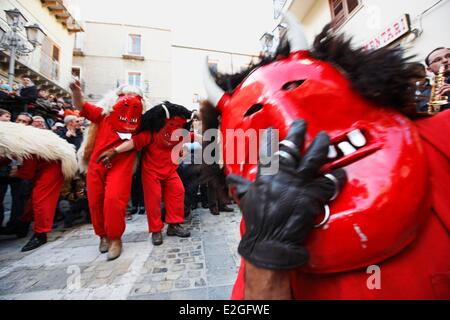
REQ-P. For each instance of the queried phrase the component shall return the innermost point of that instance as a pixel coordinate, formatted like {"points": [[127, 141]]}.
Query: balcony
{"points": [[49, 67], [58, 8], [44, 75]]}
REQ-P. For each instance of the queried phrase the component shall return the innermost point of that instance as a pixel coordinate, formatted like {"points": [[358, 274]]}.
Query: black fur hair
{"points": [[154, 119], [382, 76]]}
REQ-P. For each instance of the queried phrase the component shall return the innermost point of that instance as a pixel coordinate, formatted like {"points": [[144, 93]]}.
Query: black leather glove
{"points": [[280, 210]]}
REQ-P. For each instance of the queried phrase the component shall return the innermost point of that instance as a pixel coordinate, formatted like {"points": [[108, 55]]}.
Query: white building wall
{"points": [[34, 12], [187, 66], [103, 66], [375, 15]]}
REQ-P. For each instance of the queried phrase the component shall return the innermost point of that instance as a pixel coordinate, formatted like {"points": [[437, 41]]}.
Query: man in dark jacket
{"points": [[71, 131], [17, 102]]}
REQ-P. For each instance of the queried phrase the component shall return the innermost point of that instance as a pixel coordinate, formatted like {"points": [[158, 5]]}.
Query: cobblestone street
{"points": [[70, 266]]}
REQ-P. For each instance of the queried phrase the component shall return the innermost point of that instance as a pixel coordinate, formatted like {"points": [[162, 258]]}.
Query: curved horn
{"points": [[295, 33], [213, 91]]}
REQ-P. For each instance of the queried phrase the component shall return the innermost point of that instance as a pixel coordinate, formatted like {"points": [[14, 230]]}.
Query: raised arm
{"points": [[77, 95]]}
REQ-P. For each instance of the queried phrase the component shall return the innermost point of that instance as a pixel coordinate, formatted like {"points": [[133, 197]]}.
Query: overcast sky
{"points": [[232, 25]]}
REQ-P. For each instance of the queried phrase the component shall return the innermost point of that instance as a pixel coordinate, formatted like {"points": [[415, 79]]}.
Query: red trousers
{"points": [[47, 183], [170, 189], [108, 193]]}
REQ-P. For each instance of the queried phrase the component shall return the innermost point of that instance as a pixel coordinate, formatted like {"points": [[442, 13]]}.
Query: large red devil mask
{"points": [[379, 212], [127, 113], [171, 134]]}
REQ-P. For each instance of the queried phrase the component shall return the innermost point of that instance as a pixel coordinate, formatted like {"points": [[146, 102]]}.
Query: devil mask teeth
{"points": [[357, 138], [346, 148]]}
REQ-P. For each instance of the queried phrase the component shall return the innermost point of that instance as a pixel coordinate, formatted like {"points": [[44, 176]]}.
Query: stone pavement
{"points": [[70, 266]]}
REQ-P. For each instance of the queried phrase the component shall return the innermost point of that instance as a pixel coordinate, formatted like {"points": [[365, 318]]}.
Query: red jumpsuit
{"points": [[47, 180], [422, 270], [160, 180], [108, 190]]}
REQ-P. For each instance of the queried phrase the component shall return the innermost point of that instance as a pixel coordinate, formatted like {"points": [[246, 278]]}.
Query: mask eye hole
{"points": [[292, 85], [253, 109]]}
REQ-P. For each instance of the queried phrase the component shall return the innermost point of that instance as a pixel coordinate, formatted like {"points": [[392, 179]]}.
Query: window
{"points": [[341, 10], [134, 79], [134, 44], [55, 54]]}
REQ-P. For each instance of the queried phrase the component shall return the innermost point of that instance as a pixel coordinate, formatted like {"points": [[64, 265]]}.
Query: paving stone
{"points": [[174, 276], [187, 260], [164, 286], [203, 266], [195, 266], [194, 274], [159, 270], [178, 267], [199, 282], [194, 294], [181, 284]]}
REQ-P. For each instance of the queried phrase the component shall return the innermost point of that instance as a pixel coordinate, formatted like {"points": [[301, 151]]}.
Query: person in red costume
{"points": [[46, 160], [108, 187], [161, 139], [381, 179]]}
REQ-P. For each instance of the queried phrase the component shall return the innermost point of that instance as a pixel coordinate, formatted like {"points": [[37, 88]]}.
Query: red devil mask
{"points": [[378, 213], [166, 136], [127, 113]]}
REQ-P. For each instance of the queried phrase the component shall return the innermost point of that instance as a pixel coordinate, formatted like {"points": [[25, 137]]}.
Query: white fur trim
{"points": [[109, 100], [21, 142]]}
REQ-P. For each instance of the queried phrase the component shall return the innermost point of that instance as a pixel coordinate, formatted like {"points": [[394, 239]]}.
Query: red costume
{"points": [[159, 174], [46, 160], [47, 181], [108, 188], [382, 216]]}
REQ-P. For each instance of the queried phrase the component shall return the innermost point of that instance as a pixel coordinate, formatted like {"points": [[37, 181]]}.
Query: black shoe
{"points": [[177, 230], [205, 205], [134, 210], [225, 209], [157, 238], [37, 240], [214, 211], [141, 210]]}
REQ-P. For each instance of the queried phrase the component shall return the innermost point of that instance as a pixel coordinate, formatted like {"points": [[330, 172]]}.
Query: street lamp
{"points": [[13, 41], [281, 30], [15, 18], [35, 35], [267, 41]]}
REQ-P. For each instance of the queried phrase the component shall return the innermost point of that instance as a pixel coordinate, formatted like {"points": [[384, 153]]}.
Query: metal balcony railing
{"points": [[49, 67]]}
